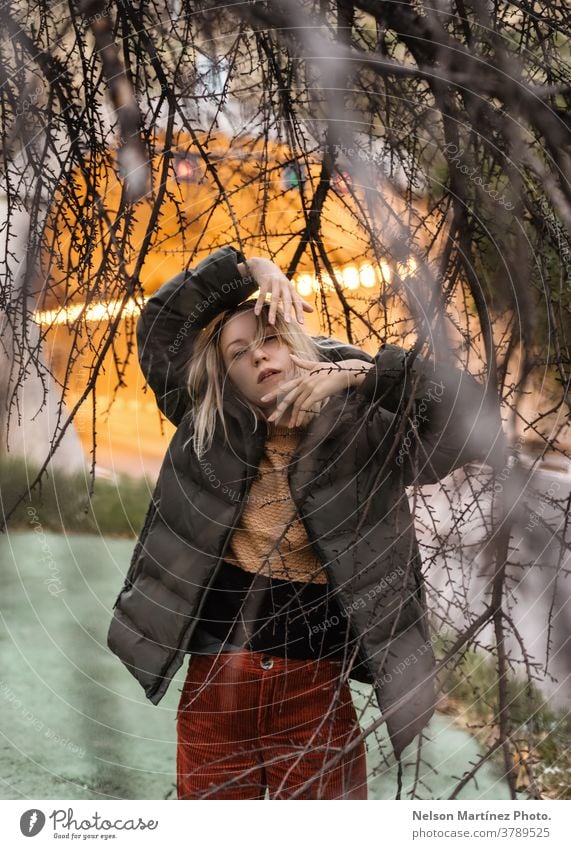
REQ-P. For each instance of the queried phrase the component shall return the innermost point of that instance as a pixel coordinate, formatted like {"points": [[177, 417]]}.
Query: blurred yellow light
{"points": [[326, 283], [93, 312], [350, 275], [305, 284], [407, 268], [386, 271], [367, 275]]}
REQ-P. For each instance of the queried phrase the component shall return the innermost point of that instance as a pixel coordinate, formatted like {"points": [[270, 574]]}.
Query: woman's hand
{"points": [[321, 381], [271, 279]]}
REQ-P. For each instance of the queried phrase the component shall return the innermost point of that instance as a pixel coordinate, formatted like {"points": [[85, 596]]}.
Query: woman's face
{"points": [[247, 364]]}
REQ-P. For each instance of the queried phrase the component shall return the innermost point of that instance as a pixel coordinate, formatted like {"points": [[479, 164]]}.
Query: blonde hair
{"points": [[207, 380]]}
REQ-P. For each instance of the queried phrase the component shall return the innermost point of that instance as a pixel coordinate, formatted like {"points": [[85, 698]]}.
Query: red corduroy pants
{"points": [[248, 721]]}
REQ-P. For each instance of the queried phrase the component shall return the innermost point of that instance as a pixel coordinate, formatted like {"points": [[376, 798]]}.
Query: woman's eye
{"points": [[238, 354]]}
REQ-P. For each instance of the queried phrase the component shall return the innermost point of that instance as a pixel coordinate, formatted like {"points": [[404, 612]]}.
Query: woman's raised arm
{"points": [[176, 312], [452, 420]]}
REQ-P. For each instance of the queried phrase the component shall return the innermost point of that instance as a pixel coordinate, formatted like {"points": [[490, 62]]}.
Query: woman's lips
{"points": [[269, 376]]}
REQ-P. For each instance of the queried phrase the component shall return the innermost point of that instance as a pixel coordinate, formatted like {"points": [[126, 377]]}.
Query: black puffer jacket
{"points": [[343, 461]]}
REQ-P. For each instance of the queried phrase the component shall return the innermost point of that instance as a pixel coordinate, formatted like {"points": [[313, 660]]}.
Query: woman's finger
{"points": [[300, 401], [261, 297], [275, 299], [289, 297], [300, 305], [279, 389], [284, 403], [287, 300], [314, 386], [305, 363], [297, 305], [301, 404]]}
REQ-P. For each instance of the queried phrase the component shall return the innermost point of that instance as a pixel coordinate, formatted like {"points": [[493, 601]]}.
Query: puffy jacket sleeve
{"points": [[452, 419], [173, 316], [335, 350]]}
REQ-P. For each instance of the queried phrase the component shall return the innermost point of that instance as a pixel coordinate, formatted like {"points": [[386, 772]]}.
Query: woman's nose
{"points": [[258, 353]]}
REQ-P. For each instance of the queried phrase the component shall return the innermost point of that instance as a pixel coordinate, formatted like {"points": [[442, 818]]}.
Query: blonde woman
{"points": [[278, 549]]}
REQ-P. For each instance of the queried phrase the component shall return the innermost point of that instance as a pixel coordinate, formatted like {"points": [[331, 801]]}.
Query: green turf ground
{"points": [[76, 725]]}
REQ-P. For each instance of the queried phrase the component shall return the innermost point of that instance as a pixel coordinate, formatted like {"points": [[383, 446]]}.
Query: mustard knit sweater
{"points": [[271, 593], [271, 539]]}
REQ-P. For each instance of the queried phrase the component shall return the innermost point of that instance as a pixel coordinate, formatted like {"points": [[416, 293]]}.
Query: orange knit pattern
{"points": [[271, 539]]}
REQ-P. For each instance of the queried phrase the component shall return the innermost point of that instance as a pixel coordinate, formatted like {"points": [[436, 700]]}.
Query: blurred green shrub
{"points": [[64, 504], [472, 683]]}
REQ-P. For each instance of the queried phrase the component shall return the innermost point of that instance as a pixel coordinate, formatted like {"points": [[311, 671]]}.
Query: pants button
{"points": [[267, 662]]}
